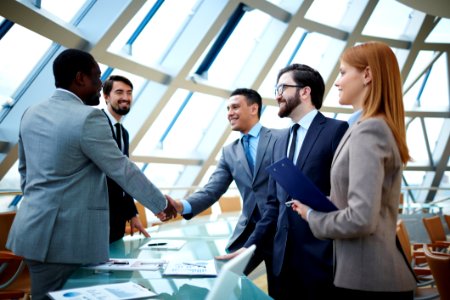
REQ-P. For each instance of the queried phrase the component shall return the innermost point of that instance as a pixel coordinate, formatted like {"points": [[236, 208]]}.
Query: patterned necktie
{"points": [[246, 144], [118, 135], [293, 141]]}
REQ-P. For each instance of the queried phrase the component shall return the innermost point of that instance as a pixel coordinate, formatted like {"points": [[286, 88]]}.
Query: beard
{"points": [[93, 100], [121, 111], [290, 104]]}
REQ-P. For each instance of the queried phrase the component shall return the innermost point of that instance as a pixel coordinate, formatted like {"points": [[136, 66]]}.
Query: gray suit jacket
{"points": [[366, 176], [65, 149], [253, 189]]}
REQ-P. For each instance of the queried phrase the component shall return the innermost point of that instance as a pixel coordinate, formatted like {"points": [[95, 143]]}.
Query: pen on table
{"points": [[157, 244], [194, 264], [116, 262]]}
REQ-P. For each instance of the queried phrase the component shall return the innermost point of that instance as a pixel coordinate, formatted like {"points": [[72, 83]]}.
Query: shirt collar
{"points": [[254, 132], [110, 117], [307, 119]]}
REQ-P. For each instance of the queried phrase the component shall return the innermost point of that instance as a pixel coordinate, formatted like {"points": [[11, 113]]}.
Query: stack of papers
{"points": [[163, 245], [116, 291], [125, 264], [191, 268]]}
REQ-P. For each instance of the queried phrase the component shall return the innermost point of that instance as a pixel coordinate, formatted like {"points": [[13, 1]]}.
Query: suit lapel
{"points": [[264, 138], [311, 136], [342, 143]]}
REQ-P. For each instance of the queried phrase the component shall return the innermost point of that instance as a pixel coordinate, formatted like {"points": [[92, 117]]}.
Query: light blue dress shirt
{"points": [[253, 145], [304, 123]]}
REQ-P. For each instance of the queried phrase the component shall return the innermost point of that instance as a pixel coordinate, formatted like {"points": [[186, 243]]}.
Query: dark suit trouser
{"points": [[48, 277], [254, 262]]}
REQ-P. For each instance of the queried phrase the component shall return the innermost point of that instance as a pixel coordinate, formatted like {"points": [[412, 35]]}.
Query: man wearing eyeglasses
{"points": [[302, 264]]}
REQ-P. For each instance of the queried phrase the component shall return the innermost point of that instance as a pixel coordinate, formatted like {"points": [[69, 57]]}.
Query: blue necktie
{"points": [[246, 144]]}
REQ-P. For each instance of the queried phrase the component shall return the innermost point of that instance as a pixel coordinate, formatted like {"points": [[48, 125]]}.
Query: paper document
{"points": [[191, 268], [115, 291], [163, 245], [125, 264], [298, 186]]}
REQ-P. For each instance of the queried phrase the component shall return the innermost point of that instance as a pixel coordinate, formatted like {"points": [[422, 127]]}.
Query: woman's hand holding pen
{"points": [[300, 208]]}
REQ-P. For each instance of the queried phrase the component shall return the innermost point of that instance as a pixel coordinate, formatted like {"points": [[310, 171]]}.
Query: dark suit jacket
{"points": [[121, 204], [294, 243]]}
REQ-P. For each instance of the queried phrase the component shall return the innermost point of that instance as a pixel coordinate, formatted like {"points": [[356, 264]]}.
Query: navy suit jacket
{"points": [[294, 244]]}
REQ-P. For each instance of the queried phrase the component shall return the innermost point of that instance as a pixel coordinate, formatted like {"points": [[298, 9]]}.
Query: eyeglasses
{"points": [[279, 89]]}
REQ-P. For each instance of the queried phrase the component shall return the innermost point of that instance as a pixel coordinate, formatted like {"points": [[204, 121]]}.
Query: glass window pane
{"points": [[11, 180], [391, 19], [342, 14], [194, 120], [270, 118], [163, 175], [435, 95], [15, 51], [440, 33], [416, 144], [153, 43], [434, 127], [189, 128], [64, 10], [241, 44]]}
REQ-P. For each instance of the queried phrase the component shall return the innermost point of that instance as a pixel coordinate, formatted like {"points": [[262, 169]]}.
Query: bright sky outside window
{"points": [[65, 10], [392, 19], [153, 43], [341, 14], [15, 51], [241, 44], [440, 33]]}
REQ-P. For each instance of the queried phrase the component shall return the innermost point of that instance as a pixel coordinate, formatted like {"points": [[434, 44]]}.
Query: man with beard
{"points": [[66, 150], [118, 94], [302, 264]]}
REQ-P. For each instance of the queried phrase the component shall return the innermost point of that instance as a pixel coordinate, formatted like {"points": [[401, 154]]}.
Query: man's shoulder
{"points": [[276, 132]]}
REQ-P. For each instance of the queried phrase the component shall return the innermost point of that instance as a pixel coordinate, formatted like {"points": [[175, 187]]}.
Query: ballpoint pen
{"points": [[194, 264]]}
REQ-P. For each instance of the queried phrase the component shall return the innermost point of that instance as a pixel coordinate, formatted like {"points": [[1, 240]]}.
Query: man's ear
{"points": [[80, 78]]}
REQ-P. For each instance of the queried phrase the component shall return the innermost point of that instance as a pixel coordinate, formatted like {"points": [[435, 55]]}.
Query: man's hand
{"points": [[175, 203], [136, 223], [230, 255], [169, 212]]}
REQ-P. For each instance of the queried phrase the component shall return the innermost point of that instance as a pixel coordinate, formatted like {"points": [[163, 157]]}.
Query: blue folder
{"points": [[298, 186]]}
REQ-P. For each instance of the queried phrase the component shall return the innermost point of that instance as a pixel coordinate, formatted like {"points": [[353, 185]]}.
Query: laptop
{"points": [[229, 275]]}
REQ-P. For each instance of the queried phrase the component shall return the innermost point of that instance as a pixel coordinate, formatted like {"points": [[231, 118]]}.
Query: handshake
{"points": [[173, 208]]}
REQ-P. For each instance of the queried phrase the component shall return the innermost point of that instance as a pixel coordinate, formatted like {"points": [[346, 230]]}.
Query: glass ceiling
{"points": [[185, 57]]}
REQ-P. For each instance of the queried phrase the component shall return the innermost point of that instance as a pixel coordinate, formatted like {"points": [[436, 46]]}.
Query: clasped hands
{"points": [[173, 208]]}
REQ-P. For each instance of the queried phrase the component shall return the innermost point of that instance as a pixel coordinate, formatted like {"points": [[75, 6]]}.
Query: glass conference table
{"points": [[205, 236]]}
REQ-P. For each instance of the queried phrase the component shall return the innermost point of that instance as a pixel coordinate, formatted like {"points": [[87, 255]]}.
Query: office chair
{"points": [[440, 268], [436, 232], [14, 276], [228, 204]]}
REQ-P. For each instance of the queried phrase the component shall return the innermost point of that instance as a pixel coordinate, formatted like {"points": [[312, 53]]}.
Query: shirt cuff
{"points": [[187, 207], [307, 213]]}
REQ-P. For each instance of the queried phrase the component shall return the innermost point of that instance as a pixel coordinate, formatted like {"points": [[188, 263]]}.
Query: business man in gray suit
{"points": [[247, 169], [65, 149]]}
